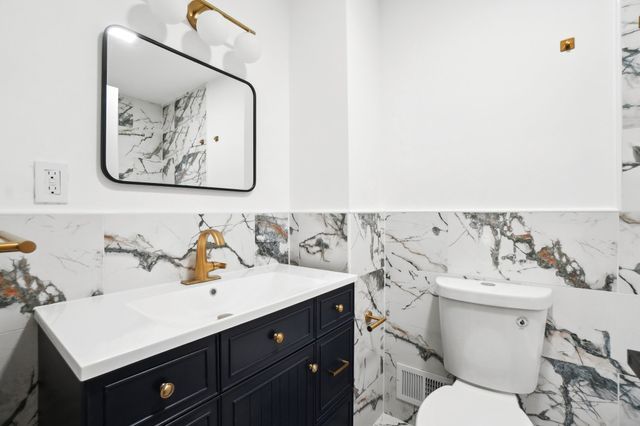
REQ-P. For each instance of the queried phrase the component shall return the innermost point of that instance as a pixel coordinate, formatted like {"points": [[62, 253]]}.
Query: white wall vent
{"points": [[413, 385]]}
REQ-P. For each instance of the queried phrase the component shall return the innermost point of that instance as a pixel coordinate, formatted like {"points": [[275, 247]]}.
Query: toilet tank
{"points": [[492, 332]]}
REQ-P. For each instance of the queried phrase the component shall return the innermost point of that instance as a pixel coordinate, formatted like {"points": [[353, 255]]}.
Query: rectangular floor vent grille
{"points": [[413, 385]]}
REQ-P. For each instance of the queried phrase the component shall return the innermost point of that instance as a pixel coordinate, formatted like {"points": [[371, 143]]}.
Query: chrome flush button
{"points": [[522, 322]]}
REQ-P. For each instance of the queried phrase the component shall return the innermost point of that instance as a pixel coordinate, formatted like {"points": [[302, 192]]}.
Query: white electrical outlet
{"points": [[51, 182]]}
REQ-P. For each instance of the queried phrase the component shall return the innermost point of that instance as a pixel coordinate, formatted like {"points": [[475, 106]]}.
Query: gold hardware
{"points": [[196, 7], [14, 243], [344, 366], [203, 266], [313, 368], [373, 321], [567, 44], [166, 390], [339, 308], [278, 337]]}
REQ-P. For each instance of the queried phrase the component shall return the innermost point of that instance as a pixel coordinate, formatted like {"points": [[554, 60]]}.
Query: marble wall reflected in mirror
{"points": [[171, 120]]}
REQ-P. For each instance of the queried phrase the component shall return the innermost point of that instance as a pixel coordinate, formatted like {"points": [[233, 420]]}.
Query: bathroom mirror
{"points": [[171, 120]]}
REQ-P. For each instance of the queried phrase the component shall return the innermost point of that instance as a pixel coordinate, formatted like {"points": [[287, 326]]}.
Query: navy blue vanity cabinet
{"points": [[293, 367], [206, 414], [340, 414], [249, 348], [282, 395]]}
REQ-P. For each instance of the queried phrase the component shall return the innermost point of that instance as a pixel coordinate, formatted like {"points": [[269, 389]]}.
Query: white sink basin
{"points": [[100, 334], [217, 300]]}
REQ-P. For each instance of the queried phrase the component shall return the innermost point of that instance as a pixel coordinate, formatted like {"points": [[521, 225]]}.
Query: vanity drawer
{"points": [[334, 309], [205, 415], [335, 357], [152, 390], [251, 347]]}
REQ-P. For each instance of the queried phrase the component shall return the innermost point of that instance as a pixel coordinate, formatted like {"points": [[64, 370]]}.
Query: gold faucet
{"points": [[203, 266]]}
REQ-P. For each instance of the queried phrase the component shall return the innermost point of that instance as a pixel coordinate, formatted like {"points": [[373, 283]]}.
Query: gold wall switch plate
{"points": [[567, 44]]}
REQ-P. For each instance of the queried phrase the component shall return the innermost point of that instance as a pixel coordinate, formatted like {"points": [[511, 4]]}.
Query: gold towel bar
{"points": [[369, 318], [11, 243]]}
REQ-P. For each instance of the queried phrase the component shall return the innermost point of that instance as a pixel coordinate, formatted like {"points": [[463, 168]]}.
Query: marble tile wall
{"points": [[584, 379], [88, 255], [353, 243], [630, 152]]}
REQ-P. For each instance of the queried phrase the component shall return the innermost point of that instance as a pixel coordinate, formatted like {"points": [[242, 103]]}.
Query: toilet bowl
{"points": [[492, 335], [463, 404]]}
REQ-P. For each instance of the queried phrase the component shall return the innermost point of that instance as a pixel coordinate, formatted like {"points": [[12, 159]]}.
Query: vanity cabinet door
{"points": [[340, 414], [335, 357], [282, 395]]}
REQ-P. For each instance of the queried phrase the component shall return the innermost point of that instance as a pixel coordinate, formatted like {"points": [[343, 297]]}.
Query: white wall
{"points": [[50, 86], [482, 112], [230, 118], [319, 129], [367, 159]]}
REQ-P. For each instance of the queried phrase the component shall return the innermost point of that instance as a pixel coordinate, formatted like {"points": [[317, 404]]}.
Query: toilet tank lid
{"points": [[498, 294]]}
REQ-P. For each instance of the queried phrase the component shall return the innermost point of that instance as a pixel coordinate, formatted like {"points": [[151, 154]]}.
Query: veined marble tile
{"points": [[319, 240], [630, 151], [416, 242], [272, 238], [184, 137], [629, 253], [629, 396], [66, 264], [143, 249], [570, 394], [140, 157], [369, 350], [570, 249], [412, 333], [366, 242], [19, 377]]}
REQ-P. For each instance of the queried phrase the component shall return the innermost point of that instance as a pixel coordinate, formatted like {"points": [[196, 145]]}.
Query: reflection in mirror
{"points": [[169, 119]]}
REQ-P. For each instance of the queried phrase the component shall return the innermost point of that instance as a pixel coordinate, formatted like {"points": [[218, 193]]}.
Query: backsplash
{"points": [[589, 258]]}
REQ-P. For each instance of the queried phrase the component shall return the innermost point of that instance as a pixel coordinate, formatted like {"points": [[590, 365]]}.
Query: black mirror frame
{"points": [[103, 115]]}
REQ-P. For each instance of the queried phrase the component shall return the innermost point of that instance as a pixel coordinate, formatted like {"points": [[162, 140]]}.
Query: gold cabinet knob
{"points": [[278, 337], [314, 368], [166, 390], [340, 308]]}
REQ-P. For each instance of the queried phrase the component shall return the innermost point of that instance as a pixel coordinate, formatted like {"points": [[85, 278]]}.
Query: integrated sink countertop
{"points": [[97, 335]]}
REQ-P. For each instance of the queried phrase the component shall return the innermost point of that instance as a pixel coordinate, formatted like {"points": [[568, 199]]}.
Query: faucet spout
{"points": [[203, 265]]}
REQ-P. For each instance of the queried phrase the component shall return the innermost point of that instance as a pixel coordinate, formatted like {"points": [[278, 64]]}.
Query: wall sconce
{"points": [[211, 23]]}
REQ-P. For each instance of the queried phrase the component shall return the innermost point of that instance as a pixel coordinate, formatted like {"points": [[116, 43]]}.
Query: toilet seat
{"points": [[463, 404]]}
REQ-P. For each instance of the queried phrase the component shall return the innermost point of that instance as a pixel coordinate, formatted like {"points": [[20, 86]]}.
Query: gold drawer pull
{"points": [[340, 308], [278, 337], [166, 390], [345, 365], [313, 368], [373, 321]]}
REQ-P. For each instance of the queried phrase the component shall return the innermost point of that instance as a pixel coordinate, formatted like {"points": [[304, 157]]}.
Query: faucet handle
{"points": [[218, 265]]}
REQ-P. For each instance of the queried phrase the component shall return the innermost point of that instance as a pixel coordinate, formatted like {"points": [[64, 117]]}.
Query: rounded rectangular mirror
{"points": [[169, 119]]}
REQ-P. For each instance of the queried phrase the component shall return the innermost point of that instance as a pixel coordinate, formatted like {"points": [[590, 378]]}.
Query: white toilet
{"points": [[492, 336]]}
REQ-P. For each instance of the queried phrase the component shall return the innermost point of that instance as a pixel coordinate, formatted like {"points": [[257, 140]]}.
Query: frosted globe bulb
{"points": [[212, 28], [169, 11], [247, 47]]}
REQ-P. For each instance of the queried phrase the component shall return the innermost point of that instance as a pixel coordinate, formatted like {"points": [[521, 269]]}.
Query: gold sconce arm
{"points": [[196, 7], [373, 321], [12, 243]]}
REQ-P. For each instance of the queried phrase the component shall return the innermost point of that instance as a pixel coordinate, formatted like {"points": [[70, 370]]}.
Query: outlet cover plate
{"points": [[51, 182]]}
